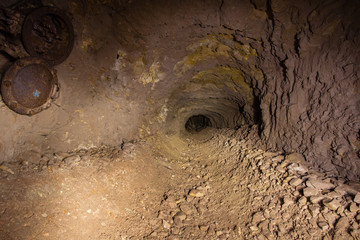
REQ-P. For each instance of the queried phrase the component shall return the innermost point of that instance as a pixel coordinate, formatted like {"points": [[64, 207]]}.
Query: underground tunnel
{"points": [[216, 119]]}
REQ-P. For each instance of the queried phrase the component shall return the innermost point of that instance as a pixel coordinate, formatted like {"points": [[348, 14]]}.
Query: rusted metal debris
{"points": [[48, 33], [29, 86]]}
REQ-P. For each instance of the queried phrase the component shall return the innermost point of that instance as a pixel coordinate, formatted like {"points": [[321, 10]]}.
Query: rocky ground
{"points": [[216, 184]]}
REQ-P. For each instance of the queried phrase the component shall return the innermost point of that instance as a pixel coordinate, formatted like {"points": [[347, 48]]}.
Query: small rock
{"points": [[341, 191], [310, 191], [323, 225], [72, 159], [340, 210], [179, 217], [295, 182], [319, 184], [254, 228], [197, 193], [257, 217], [218, 233], [316, 199], [353, 207], [165, 224], [62, 155], [204, 228], [333, 195], [280, 169], [6, 169], [357, 198], [295, 158], [342, 224], [188, 209], [332, 204], [278, 158], [330, 217], [302, 201], [349, 189], [287, 201], [314, 210], [297, 168]]}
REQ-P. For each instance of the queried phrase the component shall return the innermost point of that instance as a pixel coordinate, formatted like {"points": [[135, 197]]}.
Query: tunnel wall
{"points": [[292, 67]]}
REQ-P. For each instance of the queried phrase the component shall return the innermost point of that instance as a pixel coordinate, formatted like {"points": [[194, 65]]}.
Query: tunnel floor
{"points": [[213, 185]]}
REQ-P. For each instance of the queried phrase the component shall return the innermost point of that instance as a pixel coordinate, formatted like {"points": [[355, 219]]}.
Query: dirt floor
{"points": [[216, 184]]}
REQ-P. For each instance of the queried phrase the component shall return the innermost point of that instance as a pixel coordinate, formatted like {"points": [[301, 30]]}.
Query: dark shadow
{"points": [[197, 123]]}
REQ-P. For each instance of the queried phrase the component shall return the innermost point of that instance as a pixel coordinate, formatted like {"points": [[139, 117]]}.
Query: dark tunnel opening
{"points": [[197, 123]]}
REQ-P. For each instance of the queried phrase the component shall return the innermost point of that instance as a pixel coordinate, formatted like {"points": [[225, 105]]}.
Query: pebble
{"points": [[353, 207], [72, 159], [188, 209], [323, 225], [295, 158], [218, 233], [257, 217], [333, 195], [302, 201], [179, 217], [197, 193], [295, 182], [316, 199], [204, 228], [310, 191], [297, 168], [341, 191], [357, 198], [319, 184], [280, 169], [330, 217], [278, 158], [254, 228], [332, 204], [165, 224], [314, 210]]}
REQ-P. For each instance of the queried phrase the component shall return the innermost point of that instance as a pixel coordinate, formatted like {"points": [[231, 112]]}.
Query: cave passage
{"points": [[231, 119], [197, 123]]}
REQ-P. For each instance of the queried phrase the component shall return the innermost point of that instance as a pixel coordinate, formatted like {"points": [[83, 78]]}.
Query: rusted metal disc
{"points": [[48, 33], [29, 86]]}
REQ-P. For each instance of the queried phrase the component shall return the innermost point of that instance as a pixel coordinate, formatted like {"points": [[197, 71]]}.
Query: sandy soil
{"points": [[217, 184]]}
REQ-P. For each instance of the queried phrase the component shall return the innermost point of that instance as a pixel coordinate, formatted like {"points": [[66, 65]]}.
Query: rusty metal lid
{"points": [[48, 33], [29, 86]]}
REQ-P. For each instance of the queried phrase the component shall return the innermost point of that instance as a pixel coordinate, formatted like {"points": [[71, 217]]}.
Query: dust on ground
{"points": [[217, 184]]}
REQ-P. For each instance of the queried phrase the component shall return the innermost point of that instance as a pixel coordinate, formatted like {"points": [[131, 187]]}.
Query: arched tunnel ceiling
{"points": [[139, 67]]}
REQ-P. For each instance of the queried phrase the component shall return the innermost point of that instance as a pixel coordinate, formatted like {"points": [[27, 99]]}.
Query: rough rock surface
{"points": [[214, 186], [289, 67]]}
